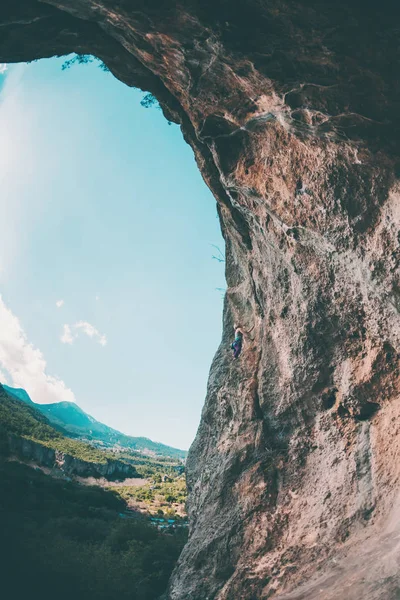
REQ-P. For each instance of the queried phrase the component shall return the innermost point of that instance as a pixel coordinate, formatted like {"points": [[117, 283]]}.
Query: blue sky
{"points": [[104, 212]]}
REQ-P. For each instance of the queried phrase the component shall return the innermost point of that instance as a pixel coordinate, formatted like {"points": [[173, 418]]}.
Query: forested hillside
{"points": [[61, 540]]}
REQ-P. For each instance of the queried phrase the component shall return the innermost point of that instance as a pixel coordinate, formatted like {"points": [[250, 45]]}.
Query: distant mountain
{"points": [[20, 417], [18, 393], [73, 420], [27, 433]]}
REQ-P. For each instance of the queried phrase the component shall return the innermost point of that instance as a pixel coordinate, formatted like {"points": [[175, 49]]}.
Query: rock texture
{"points": [[292, 110]]}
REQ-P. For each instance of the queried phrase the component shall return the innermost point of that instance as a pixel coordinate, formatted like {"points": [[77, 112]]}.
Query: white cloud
{"points": [[97, 298], [91, 332], [3, 377], [26, 364], [3, 68], [71, 333], [66, 336], [60, 303]]}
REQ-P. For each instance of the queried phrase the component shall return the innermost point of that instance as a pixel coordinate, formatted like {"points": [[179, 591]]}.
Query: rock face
{"points": [[49, 457], [292, 110], [30, 450]]}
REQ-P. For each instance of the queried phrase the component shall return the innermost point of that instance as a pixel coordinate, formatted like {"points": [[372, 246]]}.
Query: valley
{"points": [[150, 485]]}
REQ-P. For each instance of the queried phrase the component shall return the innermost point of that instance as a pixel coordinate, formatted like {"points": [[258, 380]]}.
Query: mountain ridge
{"points": [[27, 434], [77, 423]]}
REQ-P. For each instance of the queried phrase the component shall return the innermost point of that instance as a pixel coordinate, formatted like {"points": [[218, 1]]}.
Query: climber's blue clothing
{"points": [[237, 346]]}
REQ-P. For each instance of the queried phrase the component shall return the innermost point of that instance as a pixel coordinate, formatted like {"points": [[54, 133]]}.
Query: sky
{"points": [[109, 295]]}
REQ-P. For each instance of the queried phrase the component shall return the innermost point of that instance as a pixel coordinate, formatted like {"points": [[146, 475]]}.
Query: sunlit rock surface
{"points": [[292, 110]]}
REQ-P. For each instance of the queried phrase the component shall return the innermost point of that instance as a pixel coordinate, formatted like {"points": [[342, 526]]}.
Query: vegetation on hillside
{"points": [[164, 489], [167, 497], [76, 423], [78, 450], [24, 420], [149, 466], [68, 541]]}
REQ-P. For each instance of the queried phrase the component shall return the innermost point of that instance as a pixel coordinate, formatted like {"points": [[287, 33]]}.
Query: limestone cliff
{"points": [[45, 456], [292, 110]]}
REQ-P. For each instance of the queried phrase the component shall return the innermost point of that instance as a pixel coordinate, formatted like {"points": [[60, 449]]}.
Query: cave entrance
{"points": [[106, 249]]}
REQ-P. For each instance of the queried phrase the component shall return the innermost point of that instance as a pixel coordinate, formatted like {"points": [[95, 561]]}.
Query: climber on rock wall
{"points": [[237, 344]]}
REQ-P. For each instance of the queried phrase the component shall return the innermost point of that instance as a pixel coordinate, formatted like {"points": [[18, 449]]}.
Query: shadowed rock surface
{"points": [[292, 110]]}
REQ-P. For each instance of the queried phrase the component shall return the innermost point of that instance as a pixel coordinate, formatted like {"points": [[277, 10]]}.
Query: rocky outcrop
{"points": [[292, 110], [41, 454], [30, 450]]}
